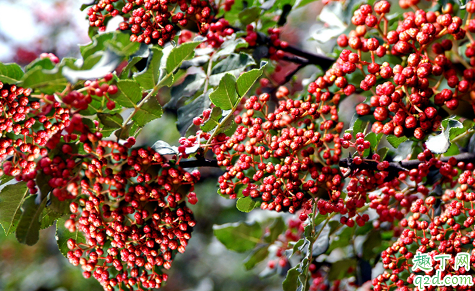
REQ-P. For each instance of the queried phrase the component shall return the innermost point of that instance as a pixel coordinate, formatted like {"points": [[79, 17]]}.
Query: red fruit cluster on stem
{"points": [[275, 45], [289, 135], [406, 100], [132, 214], [21, 115], [153, 21]]}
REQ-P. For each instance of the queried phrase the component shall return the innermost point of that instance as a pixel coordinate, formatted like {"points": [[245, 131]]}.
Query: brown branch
{"points": [[198, 163], [295, 59], [288, 77], [402, 165], [348, 163], [316, 59], [323, 61]]}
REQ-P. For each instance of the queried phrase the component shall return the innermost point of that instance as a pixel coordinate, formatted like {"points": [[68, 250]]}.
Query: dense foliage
{"points": [[363, 194]]}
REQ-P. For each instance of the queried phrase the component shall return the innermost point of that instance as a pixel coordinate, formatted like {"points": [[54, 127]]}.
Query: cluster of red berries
{"points": [[132, 214], [289, 135], [426, 231], [404, 102], [154, 21], [100, 88], [200, 120], [450, 233], [217, 34], [22, 138], [129, 204], [275, 45]]}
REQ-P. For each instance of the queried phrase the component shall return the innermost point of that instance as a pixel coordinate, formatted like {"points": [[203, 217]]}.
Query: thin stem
{"points": [[208, 73], [314, 239]]}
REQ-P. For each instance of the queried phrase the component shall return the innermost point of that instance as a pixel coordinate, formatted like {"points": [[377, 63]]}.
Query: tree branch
{"points": [[198, 163], [402, 165], [323, 61], [288, 77], [348, 163]]}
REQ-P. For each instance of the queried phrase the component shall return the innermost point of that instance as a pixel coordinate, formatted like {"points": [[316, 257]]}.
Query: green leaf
{"points": [[339, 270], [91, 61], [166, 79], [111, 120], [10, 73], [63, 235], [109, 62], [11, 199], [28, 230], [257, 255], [440, 143], [93, 107], [189, 86], [301, 246], [225, 95], [245, 204], [60, 207], [452, 150], [249, 15], [276, 229], [364, 229], [396, 141], [302, 3], [322, 243], [129, 129], [5, 179], [42, 183], [142, 53], [46, 64], [319, 219], [149, 111], [48, 217], [292, 282], [47, 82], [341, 240], [234, 64], [246, 80], [374, 139], [357, 125], [122, 45], [382, 152], [240, 236], [149, 77], [213, 120], [129, 93], [98, 44], [453, 127], [188, 112], [371, 244], [179, 54], [229, 47]]}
